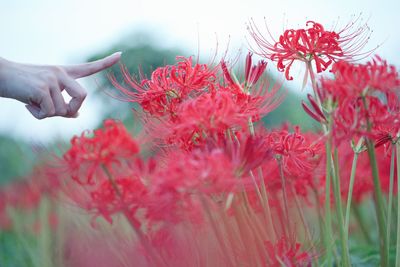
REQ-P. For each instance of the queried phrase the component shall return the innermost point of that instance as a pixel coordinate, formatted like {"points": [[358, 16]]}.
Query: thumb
{"points": [[86, 69]]}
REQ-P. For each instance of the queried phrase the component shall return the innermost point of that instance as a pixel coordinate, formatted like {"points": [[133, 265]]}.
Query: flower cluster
{"points": [[184, 104], [312, 44], [89, 155], [366, 99]]}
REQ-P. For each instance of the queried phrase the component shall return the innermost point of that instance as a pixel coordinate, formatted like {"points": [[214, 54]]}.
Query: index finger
{"points": [[86, 69]]}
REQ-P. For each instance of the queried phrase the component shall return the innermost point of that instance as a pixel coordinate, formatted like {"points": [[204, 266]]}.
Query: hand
{"points": [[40, 87]]}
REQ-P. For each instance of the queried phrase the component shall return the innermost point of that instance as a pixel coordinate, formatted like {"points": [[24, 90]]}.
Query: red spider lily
{"points": [[355, 80], [252, 72], [353, 120], [246, 152], [189, 78], [118, 195], [366, 100], [311, 44], [286, 252], [107, 146], [213, 113], [168, 86], [178, 188], [298, 154], [220, 167], [384, 134]]}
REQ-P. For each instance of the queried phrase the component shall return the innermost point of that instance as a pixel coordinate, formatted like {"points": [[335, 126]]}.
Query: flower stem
{"points": [[390, 200], [267, 208], [351, 187], [379, 204], [398, 205], [328, 217], [339, 211], [217, 232]]}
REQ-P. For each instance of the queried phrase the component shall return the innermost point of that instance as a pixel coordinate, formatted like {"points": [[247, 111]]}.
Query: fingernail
{"points": [[119, 53]]}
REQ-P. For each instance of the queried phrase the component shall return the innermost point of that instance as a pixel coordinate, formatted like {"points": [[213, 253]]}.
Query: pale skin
{"points": [[40, 86]]}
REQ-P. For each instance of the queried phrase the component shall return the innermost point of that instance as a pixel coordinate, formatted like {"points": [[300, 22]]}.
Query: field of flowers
{"points": [[205, 183]]}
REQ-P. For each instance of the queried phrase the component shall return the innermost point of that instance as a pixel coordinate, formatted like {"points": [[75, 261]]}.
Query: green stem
{"points": [[379, 204], [267, 206], [328, 218], [264, 197], [350, 193], [398, 205], [339, 211], [327, 235], [305, 224], [314, 83], [390, 200]]}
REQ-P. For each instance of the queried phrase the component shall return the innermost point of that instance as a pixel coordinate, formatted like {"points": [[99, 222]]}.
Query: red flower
{"points": [[355, 80], [106, 147], [125, 194], [311, 44], [366, 100], [220, 167], [168, 86], [353, 120], [212, 114], [287, 253], [252, 72], [298, 154]]}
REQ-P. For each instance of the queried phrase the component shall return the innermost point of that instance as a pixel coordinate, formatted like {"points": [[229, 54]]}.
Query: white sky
{"points": [[68, 31]]}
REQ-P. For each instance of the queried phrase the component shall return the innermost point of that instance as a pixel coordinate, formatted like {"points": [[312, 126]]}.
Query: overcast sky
{"points": [[68, 31]]}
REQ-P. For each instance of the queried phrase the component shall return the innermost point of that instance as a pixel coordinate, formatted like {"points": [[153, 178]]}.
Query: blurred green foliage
{"points": [[292, 112], [13, 252], [16, 158]]}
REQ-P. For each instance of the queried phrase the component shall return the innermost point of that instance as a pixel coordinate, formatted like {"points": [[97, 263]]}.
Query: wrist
{"points": [[3, 76]]}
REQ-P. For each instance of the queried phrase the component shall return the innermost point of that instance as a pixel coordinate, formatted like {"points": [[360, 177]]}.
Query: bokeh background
{"points": [[150, 33]]}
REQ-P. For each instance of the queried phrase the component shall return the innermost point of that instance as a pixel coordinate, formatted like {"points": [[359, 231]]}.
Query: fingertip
{"points": [[117, 54], [72, 109], [72, 114], [115, 57]]}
